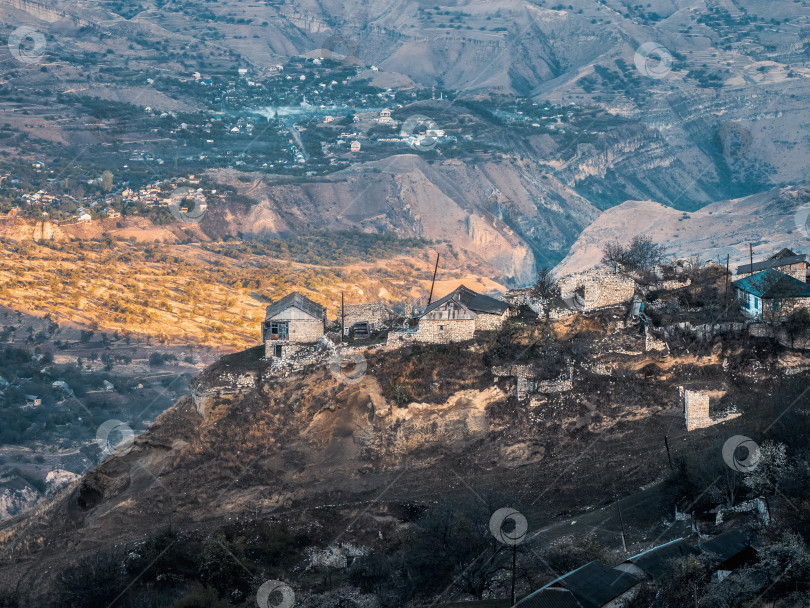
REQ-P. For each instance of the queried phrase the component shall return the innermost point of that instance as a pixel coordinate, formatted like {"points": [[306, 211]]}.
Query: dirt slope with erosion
{"points": [[422, 423]]}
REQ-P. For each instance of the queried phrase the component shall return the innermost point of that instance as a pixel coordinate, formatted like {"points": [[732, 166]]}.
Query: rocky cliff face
{"points": [[508, 213]]}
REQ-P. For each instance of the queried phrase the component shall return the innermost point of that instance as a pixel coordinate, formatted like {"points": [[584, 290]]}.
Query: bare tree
{"points": [[641, 254], [614, 255], [545, 289]]}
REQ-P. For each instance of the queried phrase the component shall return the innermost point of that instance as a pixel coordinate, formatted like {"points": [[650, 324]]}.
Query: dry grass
{"points": [[183, 293]]}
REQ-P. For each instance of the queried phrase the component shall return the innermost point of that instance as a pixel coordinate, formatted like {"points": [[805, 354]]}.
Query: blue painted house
{"points": [[771, 294]]}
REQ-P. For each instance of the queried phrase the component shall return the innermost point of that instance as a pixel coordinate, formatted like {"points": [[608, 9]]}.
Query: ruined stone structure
{"points": [[458, 315], [523, 296], [696, 410], [376, 315], [594, 289], [528, 384], [291, 322]]}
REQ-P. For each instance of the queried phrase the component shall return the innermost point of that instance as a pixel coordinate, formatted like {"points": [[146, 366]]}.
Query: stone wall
{"points": [[527, 384], [671, 285], [445, 332], [696, 410], [287, 350], [519, 297], [376, 315], [782, 308], [488, 322], [597, 288], [306, 332]]}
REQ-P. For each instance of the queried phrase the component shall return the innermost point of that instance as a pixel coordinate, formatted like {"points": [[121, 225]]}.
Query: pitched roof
{"points": [[782, 258], [783, 253], [591, 586], [474, 301], [549, 598], [296, 300], [773, 284], [727, 545], [656, 562]]}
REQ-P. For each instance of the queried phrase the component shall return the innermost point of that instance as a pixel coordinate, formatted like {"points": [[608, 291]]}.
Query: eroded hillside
{"points": [[317, 452]]}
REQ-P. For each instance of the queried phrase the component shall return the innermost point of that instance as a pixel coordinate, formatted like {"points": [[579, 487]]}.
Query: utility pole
{"points": [[435, 270], [514, 558], [342, 317], [751, 254], [727, 259], [669, 457], [621, 522]]}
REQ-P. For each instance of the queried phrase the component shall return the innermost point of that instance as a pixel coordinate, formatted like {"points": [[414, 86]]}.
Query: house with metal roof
{"points": [[593, 585], [458, 315], [786, 261], [771, 294], [292, 321]]}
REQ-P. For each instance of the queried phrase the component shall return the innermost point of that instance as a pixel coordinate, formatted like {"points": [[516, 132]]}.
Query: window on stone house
{"points": [[279, 330], [441, 327]]}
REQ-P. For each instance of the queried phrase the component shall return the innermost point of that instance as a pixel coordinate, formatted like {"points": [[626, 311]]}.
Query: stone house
{"points": [[785, 261], [458, 315], [772, 295], [290, 323]]}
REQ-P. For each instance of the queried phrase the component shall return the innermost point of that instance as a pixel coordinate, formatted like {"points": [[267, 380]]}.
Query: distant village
{"points": [[109, 205]]}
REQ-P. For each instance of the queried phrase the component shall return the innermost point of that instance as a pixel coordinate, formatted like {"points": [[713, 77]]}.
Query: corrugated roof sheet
{"points": [[590, 586], [657, 562], [296, 300], [726, 545], [474, 301], [549, 598], [773, 284]]}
